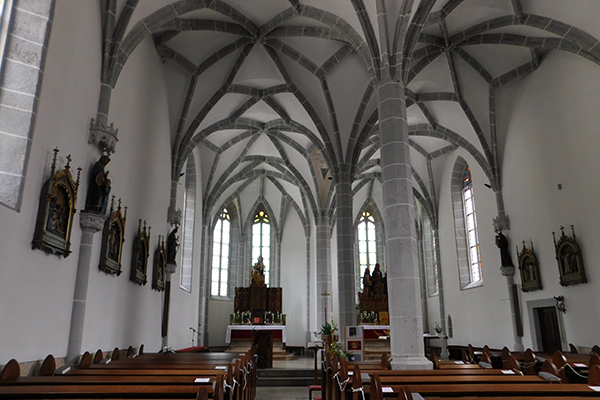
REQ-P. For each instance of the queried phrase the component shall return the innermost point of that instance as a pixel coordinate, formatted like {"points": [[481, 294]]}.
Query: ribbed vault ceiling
{"points": [[274, 96]]}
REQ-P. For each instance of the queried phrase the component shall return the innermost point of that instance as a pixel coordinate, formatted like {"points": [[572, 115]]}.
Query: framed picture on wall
{"points": [[529, 268], [570, 262], [113, 237], [139, 257], [160, 266], [56, 210]]}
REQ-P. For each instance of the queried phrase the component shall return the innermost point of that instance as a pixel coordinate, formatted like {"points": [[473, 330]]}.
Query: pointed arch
{"points": [[465, 226], [369, 239]]}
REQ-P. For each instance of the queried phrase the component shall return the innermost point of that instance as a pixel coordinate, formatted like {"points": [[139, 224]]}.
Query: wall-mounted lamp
{"points": [[560, 303]]}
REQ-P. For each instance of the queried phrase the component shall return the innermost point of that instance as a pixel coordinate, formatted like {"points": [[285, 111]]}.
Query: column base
{"points": [[411, 363]]}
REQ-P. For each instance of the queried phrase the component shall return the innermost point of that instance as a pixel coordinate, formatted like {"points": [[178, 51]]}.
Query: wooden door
{"points": [[548, 327]]}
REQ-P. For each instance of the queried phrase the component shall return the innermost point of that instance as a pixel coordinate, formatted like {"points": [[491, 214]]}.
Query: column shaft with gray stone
{"points": [[509, 273], [345, 250], [405, 313], [323, 269], [90, 222]]}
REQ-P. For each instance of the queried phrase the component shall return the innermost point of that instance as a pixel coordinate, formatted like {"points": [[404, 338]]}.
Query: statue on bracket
{"points": [[172, 246], [160, 265], [570, 262], [113, 237], [98, 187], [139, 258], [56, 209]]}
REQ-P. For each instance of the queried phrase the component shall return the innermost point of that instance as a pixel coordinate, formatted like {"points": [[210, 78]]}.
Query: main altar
{"points": [[258, 318]]}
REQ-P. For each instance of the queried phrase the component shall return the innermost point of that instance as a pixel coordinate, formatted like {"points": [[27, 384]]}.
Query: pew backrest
{"points": [[116, 354], [11, 370], [594, 375], [559, 359], [98, 357], [530, 362], [375, 389], [48, 366], [86, 360]]}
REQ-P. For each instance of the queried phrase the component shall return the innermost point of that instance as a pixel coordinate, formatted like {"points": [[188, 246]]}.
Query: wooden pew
{"points": [[499, 389], [145, 383], [14, 392]]}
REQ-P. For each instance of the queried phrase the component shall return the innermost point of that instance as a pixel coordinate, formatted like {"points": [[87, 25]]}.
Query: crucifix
{"points": [[325, 294]]}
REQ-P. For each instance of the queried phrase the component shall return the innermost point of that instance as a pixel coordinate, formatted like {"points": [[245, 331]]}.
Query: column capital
{"points": [[91, 221], [170, 269], [103, 135], [507, 270], [501, 223]]}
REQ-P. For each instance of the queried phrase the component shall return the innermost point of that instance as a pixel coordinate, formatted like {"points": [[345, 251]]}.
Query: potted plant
{"points": [[327, 332]]}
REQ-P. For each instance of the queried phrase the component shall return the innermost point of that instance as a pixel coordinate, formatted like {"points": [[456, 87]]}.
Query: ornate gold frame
{"points": [[113, 237], [160, 266], [56, 209], [139, 257], [529, 268], [570, 262]]}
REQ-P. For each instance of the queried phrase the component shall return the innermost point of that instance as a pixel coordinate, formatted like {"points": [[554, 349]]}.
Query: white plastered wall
{"points": [[37, 289], [551, 120]]}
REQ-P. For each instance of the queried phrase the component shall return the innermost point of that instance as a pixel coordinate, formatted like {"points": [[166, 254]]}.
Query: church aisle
{"points": [[281, 393]]}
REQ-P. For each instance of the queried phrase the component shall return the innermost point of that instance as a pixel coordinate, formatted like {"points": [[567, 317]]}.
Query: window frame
{"points": [[262, 219], [366, 218], [465, 276], [223, 216]]}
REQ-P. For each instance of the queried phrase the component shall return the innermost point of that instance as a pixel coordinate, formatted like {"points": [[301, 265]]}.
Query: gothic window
{"points": [[189, 201], [220, 254], [367, 243], [261, 241], [471, 227], [465, 226]]}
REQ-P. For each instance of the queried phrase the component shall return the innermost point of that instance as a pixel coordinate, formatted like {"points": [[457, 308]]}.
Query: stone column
{"points": [[406, 318], [165, 319], [509, 273], [345, 250], [90, 222], [323, 270]]}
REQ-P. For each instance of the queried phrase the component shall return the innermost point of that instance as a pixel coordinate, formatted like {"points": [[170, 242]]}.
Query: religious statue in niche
{"points": [[568, 255], [160, 265], [530, 271], [113, 237], [139, 258], [172, 246], [56, 209], [257, 276], [98, 187]]}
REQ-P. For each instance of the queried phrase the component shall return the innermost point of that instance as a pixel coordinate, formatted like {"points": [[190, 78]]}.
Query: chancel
{"points": [[421, 175]]}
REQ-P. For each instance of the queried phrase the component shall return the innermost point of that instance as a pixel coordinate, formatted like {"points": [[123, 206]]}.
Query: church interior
{"points": [[158, 158]]}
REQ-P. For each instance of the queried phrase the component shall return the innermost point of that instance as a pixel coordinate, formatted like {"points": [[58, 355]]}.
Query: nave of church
{"points": [[152, 151]]}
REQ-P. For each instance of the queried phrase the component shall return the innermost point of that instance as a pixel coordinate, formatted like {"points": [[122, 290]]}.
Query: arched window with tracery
{"points": [[261, 241], [471, 227], [220, 255], [465, 226], [367, 243]]}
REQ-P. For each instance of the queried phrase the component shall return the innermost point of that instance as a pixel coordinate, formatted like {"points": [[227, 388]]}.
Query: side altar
{"points": [[373, 317]]}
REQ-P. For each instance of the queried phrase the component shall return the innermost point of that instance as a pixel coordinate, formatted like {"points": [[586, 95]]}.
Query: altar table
{"points": [[244, 332]]}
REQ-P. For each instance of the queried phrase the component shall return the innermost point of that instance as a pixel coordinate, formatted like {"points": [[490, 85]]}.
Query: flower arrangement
{"points": [[328, 328], [438, 327]]}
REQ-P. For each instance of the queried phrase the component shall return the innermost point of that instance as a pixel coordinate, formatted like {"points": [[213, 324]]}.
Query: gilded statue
{"points": [[257, 276]]}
